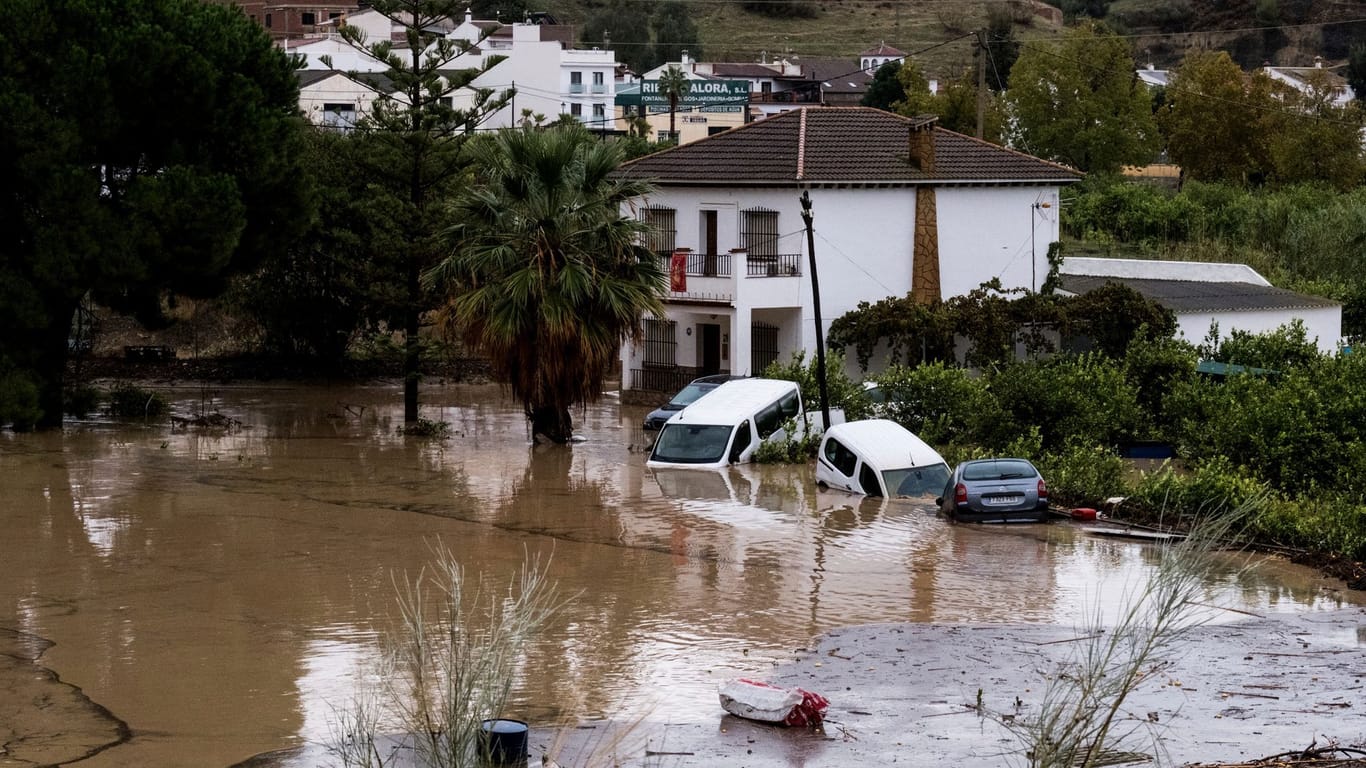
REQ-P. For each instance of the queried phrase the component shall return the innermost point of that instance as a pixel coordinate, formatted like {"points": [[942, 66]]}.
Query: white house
{"points": [[334, 99], [1232, 295], [551, 77], [898, 206], [872, 59], [1317, 80], [539, 60]]}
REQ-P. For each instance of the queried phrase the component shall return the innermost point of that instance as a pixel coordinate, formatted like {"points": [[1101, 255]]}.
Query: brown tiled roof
{"points": [[883, 50], [843, 145]]}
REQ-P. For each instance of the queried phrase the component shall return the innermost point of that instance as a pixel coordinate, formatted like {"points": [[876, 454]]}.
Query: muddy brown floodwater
{"points": [[178, 597]]}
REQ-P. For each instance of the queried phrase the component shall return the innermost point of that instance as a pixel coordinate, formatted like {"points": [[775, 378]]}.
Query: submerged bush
{"points": [[18, 399], [1335, 524], [1083, 475], [80, 401], [1209, 487], [129, 401]]}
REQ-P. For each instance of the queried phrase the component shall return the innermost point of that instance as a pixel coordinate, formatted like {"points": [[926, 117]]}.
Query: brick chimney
{"points": [[925, 287], [922, 142]]}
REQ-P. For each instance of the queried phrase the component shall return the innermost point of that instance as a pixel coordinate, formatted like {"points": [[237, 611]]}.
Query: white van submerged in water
{"points": [[727, 425], [879, 457]]}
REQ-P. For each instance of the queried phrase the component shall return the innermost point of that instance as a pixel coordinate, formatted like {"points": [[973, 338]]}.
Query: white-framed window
{"points": [[576, 110], [576, 82]]}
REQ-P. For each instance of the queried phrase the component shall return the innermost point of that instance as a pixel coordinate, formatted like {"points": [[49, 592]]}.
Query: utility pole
{"points": [[981, 79], [816, 304]]}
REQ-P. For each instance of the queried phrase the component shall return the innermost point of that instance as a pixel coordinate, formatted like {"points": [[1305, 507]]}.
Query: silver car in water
{"points": [[995, 491]]}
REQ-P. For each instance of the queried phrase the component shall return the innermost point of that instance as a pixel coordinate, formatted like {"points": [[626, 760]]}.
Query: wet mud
{"points": [[43, 720]]}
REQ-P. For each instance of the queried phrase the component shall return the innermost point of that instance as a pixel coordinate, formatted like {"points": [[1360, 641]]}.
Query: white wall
{"points": [[1322, 324], [541, 73], [863, 242], [338, 89], [987, 232]]}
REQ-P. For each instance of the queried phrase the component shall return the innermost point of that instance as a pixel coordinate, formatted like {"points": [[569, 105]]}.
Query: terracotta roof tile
{"points": [[849, 145]]}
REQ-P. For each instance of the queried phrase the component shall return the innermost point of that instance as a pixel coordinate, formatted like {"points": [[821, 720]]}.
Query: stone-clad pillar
{"points": [[925, 286]]}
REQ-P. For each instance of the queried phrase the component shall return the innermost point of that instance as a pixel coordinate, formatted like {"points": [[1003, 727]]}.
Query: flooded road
{"points": [[222, 593]]}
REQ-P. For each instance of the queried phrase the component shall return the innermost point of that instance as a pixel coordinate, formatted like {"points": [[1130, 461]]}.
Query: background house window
{"points": [[308, 18], [599, 112], [662, 232], [598, 84], [576, 110], [576, 82], [269, 23]]}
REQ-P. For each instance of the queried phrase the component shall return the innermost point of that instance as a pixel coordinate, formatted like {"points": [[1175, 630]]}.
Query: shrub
{"points": [[129, 401], [1153, 368], [80, 401], [18, 399], [1289, 346], [1085, 398], [1212, 487], [439, 430], [1335, 524], [793, 448], [843, 391], [935, 401], [1082, 475]]}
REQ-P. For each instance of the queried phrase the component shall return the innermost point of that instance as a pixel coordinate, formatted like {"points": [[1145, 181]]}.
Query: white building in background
{"points": [[334, 99], [899, 206], [1232, 296], [538, 60], [1315, 80]]}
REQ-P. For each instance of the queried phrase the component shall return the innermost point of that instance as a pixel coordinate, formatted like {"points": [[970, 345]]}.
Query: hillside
{"points": [[1283, 32]]}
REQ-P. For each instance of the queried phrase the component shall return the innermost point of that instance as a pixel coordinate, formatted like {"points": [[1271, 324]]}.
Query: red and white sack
{"points": [[765, 702]]}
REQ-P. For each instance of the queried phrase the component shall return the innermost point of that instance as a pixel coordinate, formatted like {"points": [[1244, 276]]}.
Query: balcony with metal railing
{"points": [[712, 278]]}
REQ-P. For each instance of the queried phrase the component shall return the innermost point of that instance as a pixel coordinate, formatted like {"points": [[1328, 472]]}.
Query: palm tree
{"points": [[547, 277], [673, 84]]}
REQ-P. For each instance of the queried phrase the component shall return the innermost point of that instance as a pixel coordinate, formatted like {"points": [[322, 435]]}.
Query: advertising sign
{"points": [[702, 96]]}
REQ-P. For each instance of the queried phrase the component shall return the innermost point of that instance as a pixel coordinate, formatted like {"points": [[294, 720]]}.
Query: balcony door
{"points": [[709, 243]]}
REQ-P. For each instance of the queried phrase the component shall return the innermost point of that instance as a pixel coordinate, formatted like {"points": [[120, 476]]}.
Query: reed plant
{"points": [[1080, 720], [448, 665]]}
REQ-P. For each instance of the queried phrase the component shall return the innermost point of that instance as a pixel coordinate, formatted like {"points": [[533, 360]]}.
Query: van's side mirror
{"points": [[939, 502]]}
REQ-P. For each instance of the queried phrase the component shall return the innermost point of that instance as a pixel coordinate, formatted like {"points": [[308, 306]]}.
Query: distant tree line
{"points": [[1077, 101]]}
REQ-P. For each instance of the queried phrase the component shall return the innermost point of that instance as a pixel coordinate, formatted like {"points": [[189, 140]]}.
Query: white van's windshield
{"points": [[691, 443], [916, 481]]}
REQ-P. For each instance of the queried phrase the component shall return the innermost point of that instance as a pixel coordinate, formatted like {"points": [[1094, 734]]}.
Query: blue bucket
{"points": [[504, 741]]}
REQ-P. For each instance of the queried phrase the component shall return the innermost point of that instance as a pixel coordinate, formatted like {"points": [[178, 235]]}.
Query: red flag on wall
{"points": [[678, 272]]}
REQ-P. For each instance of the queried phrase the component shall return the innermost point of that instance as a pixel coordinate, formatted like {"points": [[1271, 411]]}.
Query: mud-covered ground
{"points": [[909, 694]]}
